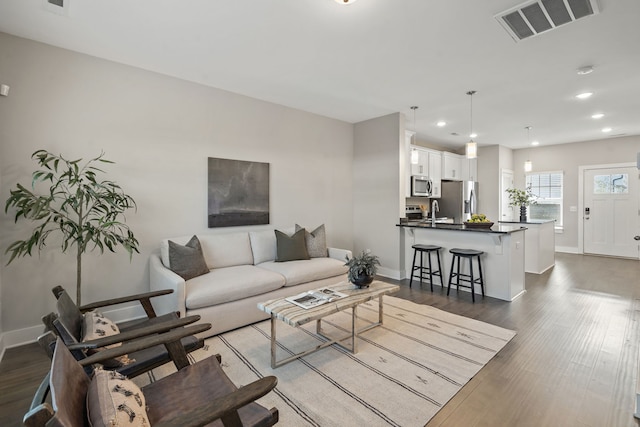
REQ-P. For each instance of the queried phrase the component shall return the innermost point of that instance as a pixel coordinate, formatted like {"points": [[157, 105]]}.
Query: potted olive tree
{"points": [[522, 199], [86, 211], [362, 269]]}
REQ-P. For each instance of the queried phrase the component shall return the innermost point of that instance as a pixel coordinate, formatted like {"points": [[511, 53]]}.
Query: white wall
{"points": [[159, 130], [378, 202], [567, 158]]}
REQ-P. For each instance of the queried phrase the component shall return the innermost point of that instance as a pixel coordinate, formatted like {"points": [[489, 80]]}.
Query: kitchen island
{"points": [[540, 245], [503, 246]]}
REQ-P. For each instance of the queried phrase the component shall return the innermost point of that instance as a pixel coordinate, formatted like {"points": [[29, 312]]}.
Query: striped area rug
{"points": [[403, 373]]}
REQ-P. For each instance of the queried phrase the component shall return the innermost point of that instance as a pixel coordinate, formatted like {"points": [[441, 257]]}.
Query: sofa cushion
{"points": [[230, 284], [263, 245], [187, 261], [316, 241], [303, 271], [290, 248]]}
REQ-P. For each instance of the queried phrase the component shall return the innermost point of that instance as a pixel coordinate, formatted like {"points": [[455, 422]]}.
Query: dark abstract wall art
{"points": [[238, 193]]}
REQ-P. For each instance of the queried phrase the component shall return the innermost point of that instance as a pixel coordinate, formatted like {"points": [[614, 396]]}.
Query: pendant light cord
{"points": [[471, 93]]}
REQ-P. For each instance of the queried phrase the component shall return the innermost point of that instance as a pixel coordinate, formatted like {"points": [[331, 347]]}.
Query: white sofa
{"points": [[242, 273]]}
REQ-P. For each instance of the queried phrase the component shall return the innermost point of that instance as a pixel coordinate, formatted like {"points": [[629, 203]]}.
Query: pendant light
{"points": [[414, 153], [528, 166], [471, 148]]}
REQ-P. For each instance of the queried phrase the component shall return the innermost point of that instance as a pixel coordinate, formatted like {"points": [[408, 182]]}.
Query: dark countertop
{"points": [[533, 221], [495, 229]]}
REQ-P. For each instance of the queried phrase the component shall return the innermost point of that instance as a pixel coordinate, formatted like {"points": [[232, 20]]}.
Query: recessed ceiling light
{"points": [[584, 95], [585, 70], [606, 130], [597, 116], [441, 123], [535, 143], [473, 135]]}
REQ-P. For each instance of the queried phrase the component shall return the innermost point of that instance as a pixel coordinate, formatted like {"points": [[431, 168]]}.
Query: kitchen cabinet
{"points": [[435, 172], [422, 167], [452, 166], [469, 169]]}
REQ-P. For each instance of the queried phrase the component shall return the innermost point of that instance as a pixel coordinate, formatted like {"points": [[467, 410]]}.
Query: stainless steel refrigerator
{"points": [[459, 200]]}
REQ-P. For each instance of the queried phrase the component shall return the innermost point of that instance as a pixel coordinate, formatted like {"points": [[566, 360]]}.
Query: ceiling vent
{"points": [[539, 16]]}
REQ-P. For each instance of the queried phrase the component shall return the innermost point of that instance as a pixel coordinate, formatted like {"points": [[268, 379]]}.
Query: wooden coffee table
{"points": [[295, 316]]}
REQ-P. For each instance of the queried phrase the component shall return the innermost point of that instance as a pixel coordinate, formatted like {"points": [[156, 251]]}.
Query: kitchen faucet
{"points": [[434, 208]]}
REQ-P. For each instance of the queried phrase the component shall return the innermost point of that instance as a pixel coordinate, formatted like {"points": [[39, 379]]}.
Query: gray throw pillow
{"points": [[290, 248], [187, 261], [316, 242]]}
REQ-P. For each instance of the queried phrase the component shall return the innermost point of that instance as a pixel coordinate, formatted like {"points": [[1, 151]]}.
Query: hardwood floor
{"points": [[573, 362]]}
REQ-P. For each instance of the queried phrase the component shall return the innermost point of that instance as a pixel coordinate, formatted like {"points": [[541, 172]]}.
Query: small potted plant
{"points": [[522, 199], [362, 268]]}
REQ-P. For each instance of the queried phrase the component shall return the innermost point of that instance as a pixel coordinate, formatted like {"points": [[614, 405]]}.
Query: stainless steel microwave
{"points": [[421, 186]]}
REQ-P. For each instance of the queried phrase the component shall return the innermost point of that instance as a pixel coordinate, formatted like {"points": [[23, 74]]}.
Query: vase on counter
{"points": [[523, 213]]}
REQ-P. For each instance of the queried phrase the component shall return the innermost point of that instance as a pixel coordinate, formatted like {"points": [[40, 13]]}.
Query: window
{"points": [[547, 187], [609, 184]]}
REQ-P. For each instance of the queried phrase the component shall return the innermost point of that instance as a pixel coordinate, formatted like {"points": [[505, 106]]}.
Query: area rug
{"points": [[402, 375]]}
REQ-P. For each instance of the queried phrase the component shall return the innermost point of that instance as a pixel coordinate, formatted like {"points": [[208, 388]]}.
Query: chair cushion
{"points": [[187, 261], [316, 241], [297, 272], [222, 285], [114, 400], [97, 326], [290, 248]]}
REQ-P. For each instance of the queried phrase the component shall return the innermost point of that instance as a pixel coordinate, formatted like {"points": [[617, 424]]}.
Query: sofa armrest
{"points": [[340, 254], [160, 277]]}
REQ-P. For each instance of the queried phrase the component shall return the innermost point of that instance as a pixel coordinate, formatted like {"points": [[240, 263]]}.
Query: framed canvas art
{"points": [[238, 193]]}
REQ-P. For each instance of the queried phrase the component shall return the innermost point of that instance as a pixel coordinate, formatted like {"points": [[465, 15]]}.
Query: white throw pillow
{"points": [[263, 246]]}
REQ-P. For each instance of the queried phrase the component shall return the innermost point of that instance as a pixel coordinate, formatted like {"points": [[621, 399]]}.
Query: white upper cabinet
{"points": [[452, 166], [469, 169], [435, 173], [422, 165]]}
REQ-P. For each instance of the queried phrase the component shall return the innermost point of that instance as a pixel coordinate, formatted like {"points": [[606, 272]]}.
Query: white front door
{"points": [[506, 181], [611, 216]]}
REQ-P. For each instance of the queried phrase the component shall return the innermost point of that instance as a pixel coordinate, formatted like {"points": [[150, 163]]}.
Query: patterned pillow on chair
{"points": [[114, 400], [97, 326]]}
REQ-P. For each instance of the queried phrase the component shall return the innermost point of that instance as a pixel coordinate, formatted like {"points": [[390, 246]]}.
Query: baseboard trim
{"points": [[568, 249], [389, 273], [29, 335]]}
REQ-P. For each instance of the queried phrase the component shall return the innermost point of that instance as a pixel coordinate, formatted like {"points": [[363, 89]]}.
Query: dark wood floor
{"points": [[573, 362]]}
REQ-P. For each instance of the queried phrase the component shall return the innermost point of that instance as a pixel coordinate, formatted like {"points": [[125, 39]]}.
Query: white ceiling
{"points": [[373, 58]]}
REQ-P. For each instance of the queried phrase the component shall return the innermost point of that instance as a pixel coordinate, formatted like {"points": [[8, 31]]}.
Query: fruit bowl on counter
{"points": [[478, 221]]}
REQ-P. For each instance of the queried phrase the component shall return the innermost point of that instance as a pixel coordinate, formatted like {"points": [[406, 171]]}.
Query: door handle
{"points": [[636, 238]]}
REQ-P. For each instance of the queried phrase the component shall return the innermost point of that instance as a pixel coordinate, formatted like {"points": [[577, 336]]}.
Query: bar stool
{"points": [[469, 278], [426, 272]]}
